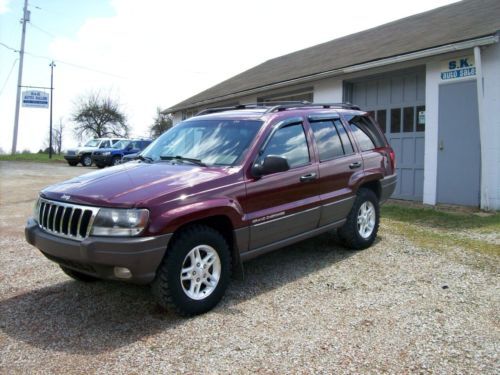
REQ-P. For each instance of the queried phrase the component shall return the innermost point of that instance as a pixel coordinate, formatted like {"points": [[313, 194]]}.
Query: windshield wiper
{"points": [[146, 159], [182, 158]]}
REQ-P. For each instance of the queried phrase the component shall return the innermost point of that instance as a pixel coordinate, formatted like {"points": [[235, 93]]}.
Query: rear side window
{"points": [[289, 142], [366, 133], [331, 138]]}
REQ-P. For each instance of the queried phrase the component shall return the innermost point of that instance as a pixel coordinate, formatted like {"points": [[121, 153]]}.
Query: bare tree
{"points": [[57, 136], [162, 122], [99, 116]]}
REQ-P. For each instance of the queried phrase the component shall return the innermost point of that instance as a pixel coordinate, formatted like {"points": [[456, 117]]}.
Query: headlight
{"points": [[106, 153], [119, 222], [36, 210]]}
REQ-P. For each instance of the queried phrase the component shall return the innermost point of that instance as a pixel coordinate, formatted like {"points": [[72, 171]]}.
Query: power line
{"points": [[64, 62], [42, 30], [8, 76], [8, 47]]}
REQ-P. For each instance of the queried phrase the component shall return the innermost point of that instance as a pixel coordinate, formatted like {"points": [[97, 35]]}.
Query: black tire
{"points": [[72, 163], [78, 275], [100, 166], [351, 233], [116, 160], [167, 286], [86, 160]]}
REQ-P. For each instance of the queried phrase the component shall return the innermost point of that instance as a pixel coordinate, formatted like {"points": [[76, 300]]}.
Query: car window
{"points": [[346, 142], [104, 144], [289, 142], [327, 139], [121, 145], [365, 133], [93, 143]]}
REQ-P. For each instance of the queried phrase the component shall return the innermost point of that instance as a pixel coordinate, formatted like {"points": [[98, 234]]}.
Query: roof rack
{"points": [[265, 105], [278, 106]]}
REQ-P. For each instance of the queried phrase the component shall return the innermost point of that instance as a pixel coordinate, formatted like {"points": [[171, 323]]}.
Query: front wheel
{"points": [[361, 227], [195, 272], [86, 160], [116, 160]]}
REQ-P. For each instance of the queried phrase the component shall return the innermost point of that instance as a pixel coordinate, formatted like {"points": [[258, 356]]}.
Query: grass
{"points": [[437, 229], [39, 158]]}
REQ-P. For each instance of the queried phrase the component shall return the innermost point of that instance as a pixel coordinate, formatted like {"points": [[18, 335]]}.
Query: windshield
{"points": [[212, 142], [121, 145], [93, 143]]}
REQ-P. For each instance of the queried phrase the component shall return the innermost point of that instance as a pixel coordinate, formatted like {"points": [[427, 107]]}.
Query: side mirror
{"points": [[271, 164]]}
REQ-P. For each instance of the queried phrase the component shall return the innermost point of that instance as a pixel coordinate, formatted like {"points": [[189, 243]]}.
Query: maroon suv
{"points": [[216, 190]]}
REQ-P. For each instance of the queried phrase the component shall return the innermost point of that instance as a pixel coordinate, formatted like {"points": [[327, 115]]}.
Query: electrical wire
{"points": [[8, 47], [41, 30], [8, 76], [64, 62]]}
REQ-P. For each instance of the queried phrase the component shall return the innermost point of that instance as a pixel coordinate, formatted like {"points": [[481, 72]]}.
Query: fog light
{"points": [[122, 273]]}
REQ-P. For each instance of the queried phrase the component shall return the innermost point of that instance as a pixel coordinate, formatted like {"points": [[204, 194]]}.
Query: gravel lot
{"points": [[313, 307]]}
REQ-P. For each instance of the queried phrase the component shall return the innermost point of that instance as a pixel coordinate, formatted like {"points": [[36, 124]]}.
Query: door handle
{"points": [[308, 177], [355, 165], [441, 145]]}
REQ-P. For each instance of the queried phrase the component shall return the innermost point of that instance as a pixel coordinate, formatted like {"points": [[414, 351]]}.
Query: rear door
{"points": [[284, 204], [338, 162]]}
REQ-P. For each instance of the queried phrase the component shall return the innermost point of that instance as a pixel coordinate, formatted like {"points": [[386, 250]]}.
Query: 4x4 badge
{"points": [[66, 197]]}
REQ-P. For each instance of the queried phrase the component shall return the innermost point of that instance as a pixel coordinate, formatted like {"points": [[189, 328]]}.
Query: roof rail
{"points": [[278, 106], [263, 105]]}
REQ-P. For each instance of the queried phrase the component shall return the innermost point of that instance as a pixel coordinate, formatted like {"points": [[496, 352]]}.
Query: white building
{"points": [[431, 80]]}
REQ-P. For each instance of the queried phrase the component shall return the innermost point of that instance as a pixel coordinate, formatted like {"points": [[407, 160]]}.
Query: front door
{"points": [[459, 157], [284, 204]]}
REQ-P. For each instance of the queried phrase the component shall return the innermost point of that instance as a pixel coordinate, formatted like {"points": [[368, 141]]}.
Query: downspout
{"points": [[484, 199]]}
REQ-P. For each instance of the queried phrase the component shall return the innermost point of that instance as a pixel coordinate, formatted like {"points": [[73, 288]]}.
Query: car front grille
{"points": [[71, 153], [66, 219]]}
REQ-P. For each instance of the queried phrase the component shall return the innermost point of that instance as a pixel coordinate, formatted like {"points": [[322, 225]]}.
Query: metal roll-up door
{"points": [[397, 101]]}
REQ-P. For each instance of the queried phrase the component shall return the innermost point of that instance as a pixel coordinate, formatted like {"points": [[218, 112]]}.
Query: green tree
{"points": [[98, 116], [162, 122]]}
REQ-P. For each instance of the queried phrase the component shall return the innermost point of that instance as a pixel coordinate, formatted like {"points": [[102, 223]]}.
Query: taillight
{"points": [[392, 156]]}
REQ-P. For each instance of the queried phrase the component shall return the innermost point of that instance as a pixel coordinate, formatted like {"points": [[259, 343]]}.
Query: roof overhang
{"points": [[429, 52]]}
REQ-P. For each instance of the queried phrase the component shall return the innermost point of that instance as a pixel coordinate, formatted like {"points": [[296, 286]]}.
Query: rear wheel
{"points": [[86, 160], [361, 227], [78, 275], [195, 272]]}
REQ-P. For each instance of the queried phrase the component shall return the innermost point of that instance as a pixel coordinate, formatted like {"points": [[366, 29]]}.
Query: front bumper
{"points": [[387, 185], [97, 256], [72, 158], [102, 160]]}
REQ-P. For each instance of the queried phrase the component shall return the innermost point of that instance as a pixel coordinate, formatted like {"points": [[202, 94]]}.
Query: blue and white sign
{"points": [[461, 67], [35, 99]]}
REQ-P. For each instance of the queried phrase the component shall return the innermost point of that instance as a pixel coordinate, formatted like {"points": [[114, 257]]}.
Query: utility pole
{"points": [[26, 18], [51, 103]]}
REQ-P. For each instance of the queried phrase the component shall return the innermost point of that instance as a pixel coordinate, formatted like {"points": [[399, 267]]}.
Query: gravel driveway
{"points": [[312, 307]]}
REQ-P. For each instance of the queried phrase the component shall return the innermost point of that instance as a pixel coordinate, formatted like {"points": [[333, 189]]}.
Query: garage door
{"points": [[397, 101]]}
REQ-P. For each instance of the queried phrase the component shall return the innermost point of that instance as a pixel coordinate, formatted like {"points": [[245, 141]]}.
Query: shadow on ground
{"points": [[92, 318]]}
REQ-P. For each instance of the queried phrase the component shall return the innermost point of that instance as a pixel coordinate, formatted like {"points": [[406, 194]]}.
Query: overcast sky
{"points": [[155, 53]]}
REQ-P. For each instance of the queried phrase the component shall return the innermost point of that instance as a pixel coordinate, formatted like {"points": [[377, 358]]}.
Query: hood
{"points": [[83, 149], [136, 184]]}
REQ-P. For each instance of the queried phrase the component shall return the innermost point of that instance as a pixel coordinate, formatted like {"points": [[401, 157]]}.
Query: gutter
{"points": [[483, 41]]}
